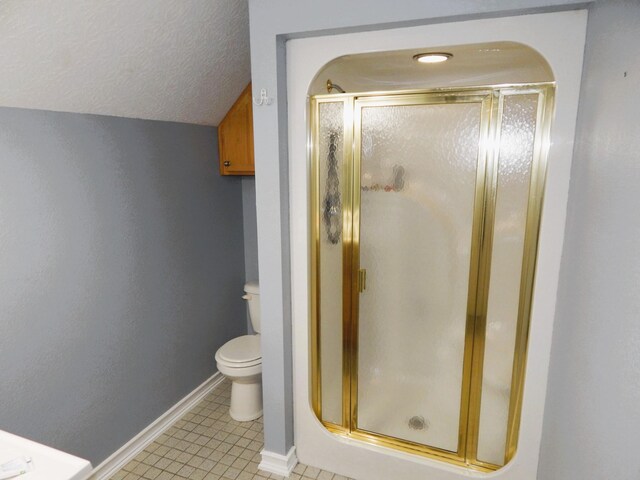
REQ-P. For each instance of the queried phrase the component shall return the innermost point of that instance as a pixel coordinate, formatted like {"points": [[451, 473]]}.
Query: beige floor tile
{"points": [[207, 464], [231, 473], [207, 444], [160, 450], [174, 467], [152, 473], [299, 468], [163, 463], [195, 461], [198, 474], [311, 472], [219, 469]]}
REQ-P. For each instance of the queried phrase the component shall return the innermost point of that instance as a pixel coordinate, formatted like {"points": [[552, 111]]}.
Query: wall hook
{"points": [[264, 98]]}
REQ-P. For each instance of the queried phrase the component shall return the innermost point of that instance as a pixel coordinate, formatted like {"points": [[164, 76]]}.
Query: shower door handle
{"points": [[362, 280]]}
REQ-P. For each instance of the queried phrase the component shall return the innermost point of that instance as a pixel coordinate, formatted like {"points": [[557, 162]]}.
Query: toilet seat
{"points": [[240, 352]]}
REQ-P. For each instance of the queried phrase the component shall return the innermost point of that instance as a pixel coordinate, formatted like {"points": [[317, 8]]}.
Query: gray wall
{"points": [[592, 417], [122, 272], [271, 23], [250, 228], [250, 223]]}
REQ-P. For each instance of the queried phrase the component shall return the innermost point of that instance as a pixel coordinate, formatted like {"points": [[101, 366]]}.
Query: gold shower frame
{"points": [[491, 99]]}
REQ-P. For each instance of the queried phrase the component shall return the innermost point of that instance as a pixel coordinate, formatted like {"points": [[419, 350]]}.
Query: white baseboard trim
{"points": [[138, 443], [278, 464]]}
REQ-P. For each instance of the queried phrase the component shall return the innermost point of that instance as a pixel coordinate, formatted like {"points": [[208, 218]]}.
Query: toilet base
{"points": [[246, 400]]}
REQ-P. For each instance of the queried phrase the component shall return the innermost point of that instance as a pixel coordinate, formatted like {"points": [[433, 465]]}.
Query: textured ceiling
{"points": [[176, 60]]}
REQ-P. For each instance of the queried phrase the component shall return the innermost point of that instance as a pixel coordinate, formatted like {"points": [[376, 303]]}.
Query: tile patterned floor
{"points": [[207, 444]]}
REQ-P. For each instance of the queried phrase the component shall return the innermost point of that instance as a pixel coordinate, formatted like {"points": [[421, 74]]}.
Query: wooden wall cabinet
{"points": [[235, 137]]}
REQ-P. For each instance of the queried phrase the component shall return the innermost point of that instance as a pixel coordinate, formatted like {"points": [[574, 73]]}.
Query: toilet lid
{"points": [[241, 350]]}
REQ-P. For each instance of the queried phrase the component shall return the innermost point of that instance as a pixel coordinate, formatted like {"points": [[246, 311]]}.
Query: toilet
{"points": [[240, 360]]}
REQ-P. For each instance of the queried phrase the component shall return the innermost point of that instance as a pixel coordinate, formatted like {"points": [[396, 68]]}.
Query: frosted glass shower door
{"points": [[419, 166]]}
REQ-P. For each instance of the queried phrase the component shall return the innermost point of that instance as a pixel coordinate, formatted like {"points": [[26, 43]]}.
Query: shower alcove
{"points": [[425, 186], [425, 207]]}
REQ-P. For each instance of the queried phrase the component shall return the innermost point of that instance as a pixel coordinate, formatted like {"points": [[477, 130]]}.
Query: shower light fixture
{"points": [[432, 57]]}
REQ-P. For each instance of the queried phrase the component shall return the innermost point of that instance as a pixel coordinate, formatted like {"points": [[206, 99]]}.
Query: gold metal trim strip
{"points": [[513, 87], [348, 277], [354, 319]]}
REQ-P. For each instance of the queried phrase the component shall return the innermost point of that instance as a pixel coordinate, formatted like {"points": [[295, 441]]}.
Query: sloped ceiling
{"points": [[176, 60]]}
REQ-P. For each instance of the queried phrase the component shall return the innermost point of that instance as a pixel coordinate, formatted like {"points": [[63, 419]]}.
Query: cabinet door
{"points": [[235, 135]]}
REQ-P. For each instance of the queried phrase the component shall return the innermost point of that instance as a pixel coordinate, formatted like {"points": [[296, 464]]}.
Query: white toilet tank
{"points": [[252, 290]]}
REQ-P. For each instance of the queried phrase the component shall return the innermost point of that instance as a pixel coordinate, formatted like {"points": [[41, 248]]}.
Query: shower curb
{"points": [[133, 447]]}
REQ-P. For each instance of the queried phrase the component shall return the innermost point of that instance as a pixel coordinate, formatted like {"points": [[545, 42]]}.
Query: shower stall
{"points": [[425, 211]]}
